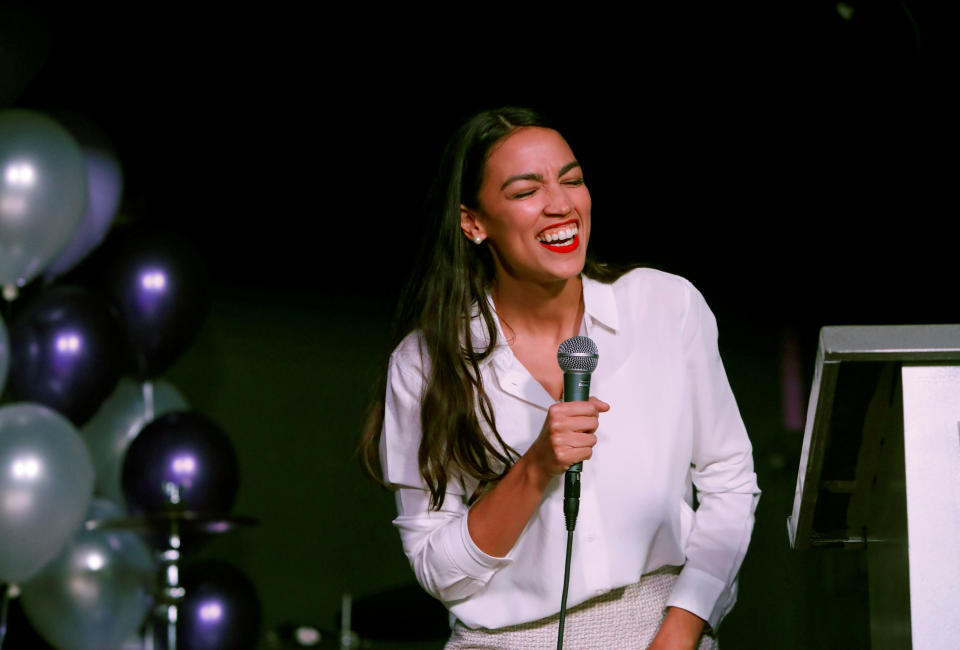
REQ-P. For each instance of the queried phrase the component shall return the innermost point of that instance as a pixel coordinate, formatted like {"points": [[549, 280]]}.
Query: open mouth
{"points": [[560, 239]]}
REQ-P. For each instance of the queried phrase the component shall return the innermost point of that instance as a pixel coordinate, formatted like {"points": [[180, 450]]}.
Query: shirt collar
{"points": [[599, 304]]}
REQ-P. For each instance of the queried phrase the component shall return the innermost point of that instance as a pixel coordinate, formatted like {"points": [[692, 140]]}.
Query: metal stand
{"points": [[879, 468], [171, 524], [348, 638], [171, 592]]}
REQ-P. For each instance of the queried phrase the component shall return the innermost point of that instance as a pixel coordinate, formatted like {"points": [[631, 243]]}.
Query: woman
{"points": [[473, 436]]}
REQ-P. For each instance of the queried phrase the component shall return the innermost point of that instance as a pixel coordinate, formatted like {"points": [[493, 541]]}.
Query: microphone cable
{"points": [[571, 507]]}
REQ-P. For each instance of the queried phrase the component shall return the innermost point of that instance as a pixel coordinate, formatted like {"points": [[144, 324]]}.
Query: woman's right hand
{"points": [[567, 437], [497, 519]]}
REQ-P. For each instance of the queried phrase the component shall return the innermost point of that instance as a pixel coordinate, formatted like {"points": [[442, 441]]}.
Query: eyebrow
{"points": [[537, 177]]}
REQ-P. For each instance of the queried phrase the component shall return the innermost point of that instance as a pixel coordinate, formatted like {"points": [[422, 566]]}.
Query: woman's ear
{"points": [[471, 225]]}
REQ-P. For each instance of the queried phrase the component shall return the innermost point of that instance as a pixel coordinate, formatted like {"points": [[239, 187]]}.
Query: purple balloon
{"points": [[64, 352], [187, 450], [159, 285], [220, 608], [104, 190]]}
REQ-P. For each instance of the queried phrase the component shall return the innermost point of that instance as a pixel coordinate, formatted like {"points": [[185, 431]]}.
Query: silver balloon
{"points": [[97, 592], [43, 192], [46, 482], [121, 417], [4, 355]]}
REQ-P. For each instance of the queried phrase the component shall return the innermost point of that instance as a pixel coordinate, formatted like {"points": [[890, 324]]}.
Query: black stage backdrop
{"points": [[790, 161]]}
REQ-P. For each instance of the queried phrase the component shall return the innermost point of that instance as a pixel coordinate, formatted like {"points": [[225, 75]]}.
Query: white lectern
{"points": [[880, 472]]}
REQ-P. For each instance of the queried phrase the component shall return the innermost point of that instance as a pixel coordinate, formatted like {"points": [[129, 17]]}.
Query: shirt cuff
{"points": [[702, 594]]}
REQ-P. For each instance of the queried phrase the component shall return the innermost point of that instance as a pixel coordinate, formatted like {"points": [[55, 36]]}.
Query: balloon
{"points": [[120, 419], [220, 609], [43, 192], [4, 355], [158, 283], [46, 481], [65, 352], [97, 592], [185, 449], [105, 183], [104, 189]]}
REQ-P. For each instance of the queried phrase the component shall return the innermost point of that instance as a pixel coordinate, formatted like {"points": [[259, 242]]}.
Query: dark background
{"points": [[795, 165]]}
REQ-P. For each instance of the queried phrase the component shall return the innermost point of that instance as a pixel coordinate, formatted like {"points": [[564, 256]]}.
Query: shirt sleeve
{"points": [[444, 558], [722, 471]]}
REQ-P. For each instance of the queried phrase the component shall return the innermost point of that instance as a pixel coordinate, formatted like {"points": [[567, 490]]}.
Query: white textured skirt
{"points": [[626, 618]]}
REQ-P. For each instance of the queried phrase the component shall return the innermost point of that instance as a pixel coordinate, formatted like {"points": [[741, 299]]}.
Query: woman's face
{"points": [[533, 207]]}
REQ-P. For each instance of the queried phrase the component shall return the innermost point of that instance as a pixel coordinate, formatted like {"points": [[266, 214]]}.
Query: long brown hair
{"points": [[448, 285]]}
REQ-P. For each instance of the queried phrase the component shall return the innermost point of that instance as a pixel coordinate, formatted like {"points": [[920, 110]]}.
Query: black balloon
{"points": [[64, 352], [220, 608], [187, 450], [159, 285]]}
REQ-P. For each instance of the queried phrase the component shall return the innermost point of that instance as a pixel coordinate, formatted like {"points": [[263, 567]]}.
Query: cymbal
{"points": [[187, 521]]}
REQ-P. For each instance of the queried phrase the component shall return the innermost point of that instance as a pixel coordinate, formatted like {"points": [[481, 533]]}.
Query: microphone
{"points": [[577, 357]]}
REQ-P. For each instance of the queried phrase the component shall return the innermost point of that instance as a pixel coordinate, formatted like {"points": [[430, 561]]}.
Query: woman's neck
{"points": [[551, 311]]}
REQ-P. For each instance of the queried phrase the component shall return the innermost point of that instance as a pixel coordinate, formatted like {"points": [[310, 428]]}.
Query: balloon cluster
{"points": [[89, 431]]}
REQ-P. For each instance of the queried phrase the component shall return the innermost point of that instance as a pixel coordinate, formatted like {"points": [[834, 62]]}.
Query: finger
{"points": [[583, 424], [601, 406], [574, 455], [562, 426], [567, 463], [570, 409], [575, 441], [583, 440]]}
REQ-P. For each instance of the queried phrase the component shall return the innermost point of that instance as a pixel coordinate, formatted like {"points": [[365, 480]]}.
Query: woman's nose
{"points": [[558, 202]]}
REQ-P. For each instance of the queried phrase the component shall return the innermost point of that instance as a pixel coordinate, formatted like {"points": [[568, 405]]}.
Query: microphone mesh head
{"points": [[578, 354]]}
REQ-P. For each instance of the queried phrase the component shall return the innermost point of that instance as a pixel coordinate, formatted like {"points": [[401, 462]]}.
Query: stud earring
{"points": [[477, 239]]}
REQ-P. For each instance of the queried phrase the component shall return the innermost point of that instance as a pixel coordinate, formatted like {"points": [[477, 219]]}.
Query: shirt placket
{"points": [[588, 539]]}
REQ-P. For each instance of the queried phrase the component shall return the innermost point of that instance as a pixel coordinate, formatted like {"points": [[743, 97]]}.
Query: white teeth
{"points": [[558, 235]]}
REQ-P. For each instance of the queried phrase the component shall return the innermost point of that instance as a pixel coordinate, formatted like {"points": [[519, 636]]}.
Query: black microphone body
{"points": [[577, 357], [576, 388]]}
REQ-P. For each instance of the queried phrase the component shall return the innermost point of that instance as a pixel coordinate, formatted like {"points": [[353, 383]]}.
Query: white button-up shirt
{"points": [[673, 423]]}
